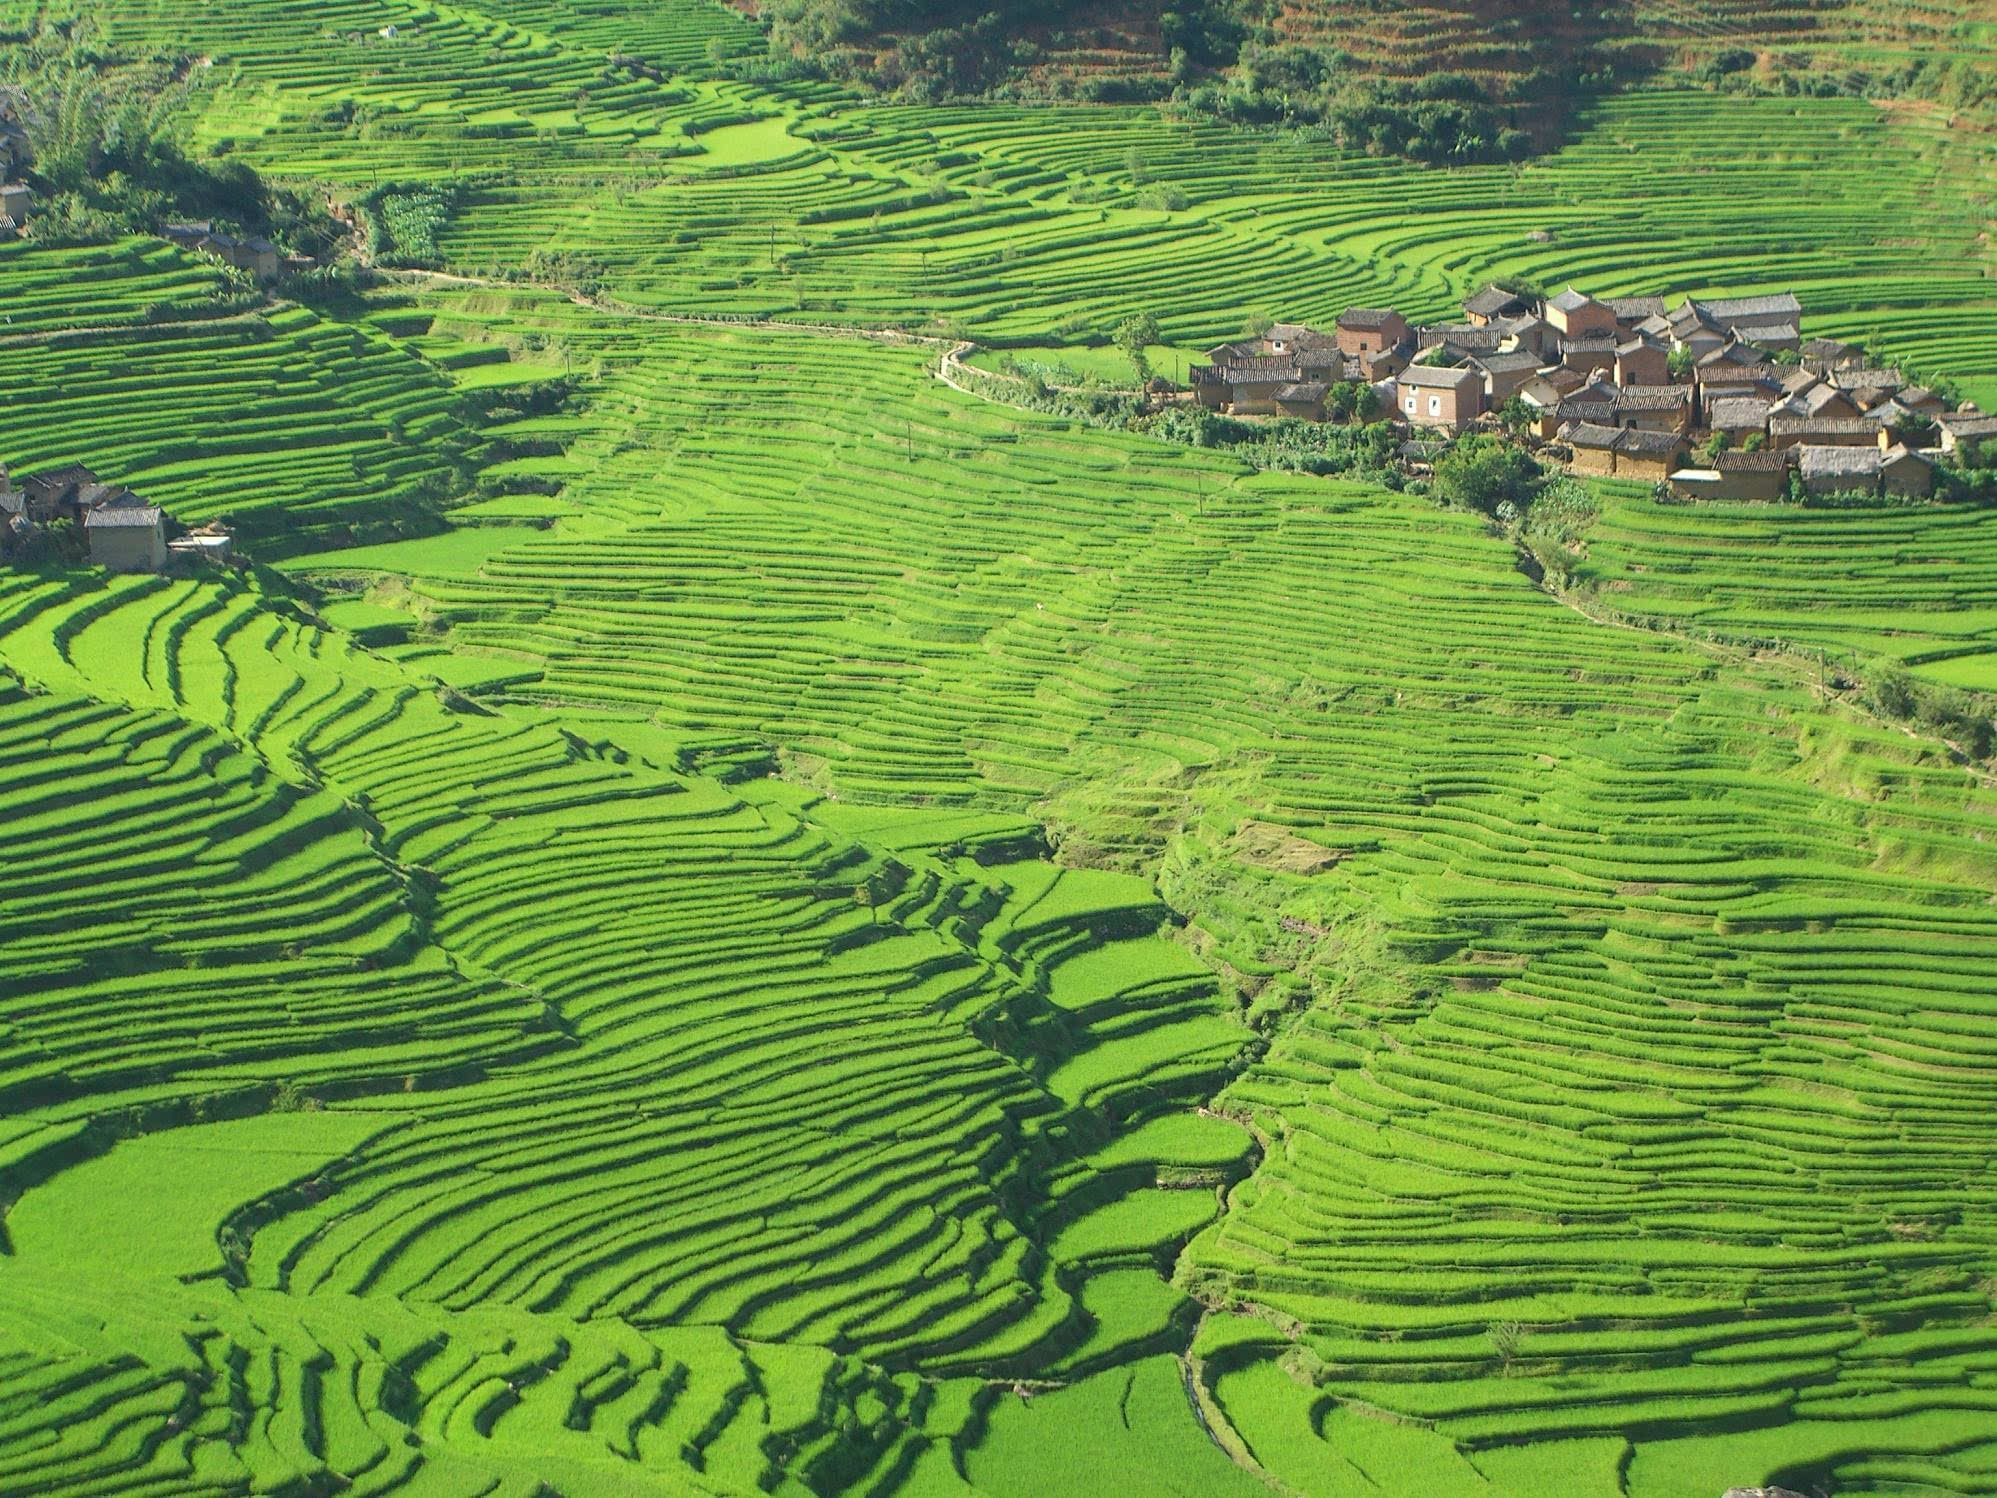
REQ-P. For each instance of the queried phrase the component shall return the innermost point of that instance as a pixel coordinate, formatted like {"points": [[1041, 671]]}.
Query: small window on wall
{"points": [[1411, 405], [1435, 405]]}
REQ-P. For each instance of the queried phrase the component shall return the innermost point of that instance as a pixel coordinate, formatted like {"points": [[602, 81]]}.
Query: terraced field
{"points": [[776, 927]]}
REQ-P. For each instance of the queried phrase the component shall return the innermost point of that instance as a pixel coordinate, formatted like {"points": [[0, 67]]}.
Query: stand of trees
{"points": [[109, 156]]}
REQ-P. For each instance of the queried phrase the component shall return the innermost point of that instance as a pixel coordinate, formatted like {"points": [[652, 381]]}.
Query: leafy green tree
{"points": [[1135, 335], [1480, 472]]}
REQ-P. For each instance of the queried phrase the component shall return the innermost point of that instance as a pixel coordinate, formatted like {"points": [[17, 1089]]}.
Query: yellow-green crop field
{"points": [[764, 924]]}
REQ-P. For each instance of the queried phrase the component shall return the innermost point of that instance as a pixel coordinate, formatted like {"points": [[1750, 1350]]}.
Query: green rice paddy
{"points": [[779, 928]]}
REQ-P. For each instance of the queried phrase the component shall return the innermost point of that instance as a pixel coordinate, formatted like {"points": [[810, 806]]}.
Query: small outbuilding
{"points": [[1756, 476], [17, 201], [1304, 400], [1904, 472]]}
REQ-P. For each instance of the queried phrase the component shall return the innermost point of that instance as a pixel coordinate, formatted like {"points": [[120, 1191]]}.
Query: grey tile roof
{"points": [[122, 517], [1653, 397], [1732, 413], [1365, 317], [1494, 301], [1423, 376], [1781, 305]]}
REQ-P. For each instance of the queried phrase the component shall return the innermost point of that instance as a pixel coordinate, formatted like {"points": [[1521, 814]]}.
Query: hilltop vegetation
{"points": [[715, 915], [1440, 80]]}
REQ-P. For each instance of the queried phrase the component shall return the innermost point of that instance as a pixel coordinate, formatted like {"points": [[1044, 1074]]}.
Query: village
{"points": [[1716, 399], [122, 531]]}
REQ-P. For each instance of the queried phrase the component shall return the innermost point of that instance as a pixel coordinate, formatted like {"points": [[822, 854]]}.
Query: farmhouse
{"points": [[127, 538], [259, 257], [1305, 400], [52, 494], [16, 201], [1624, 452], [1574, 315], [1654, 408], [1735, 476], [1494, 304], [1426, 396], [1640, 361], [1370, 330], [1967, 431], [1822, 431]]}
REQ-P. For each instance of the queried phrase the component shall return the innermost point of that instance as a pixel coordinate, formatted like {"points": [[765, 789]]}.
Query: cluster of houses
{"points": [[252, 253], [1625, 387], [125, 532]]}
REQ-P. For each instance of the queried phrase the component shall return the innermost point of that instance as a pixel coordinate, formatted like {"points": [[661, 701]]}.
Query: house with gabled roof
{"points": [[1739, 416], [1449, 399], [1575, 314], [1368, 330], [127, 538], [1494, 304], [1967, 431], [1759, 476], [1822, 431], [1632, 311], [1654, 408], [1504, 374], [1641, 361], [51, 494]]}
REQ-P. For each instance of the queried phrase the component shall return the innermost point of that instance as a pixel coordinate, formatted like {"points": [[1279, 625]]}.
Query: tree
{"points": [[1716, 444], [1135, 335], [1505, 1338], [1481, 472], [1680, 361]]}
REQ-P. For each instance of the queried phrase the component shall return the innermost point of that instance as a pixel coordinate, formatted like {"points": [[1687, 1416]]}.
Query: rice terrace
{"points": [[886, 747]]}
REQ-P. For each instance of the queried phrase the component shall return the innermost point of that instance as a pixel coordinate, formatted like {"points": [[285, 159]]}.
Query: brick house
{"points": [[1634, 312], [1252, 383], [1369, 330], [1590, 353], [1648, 455], [1449, 399], [1739, 415], [1641, 362], [1504, 374], [1494, 304], [1575, 314]]}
